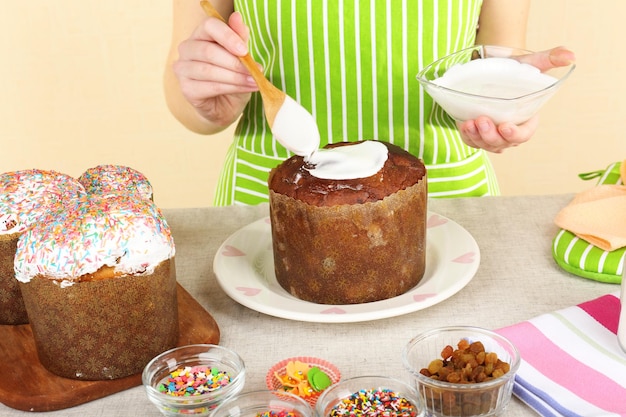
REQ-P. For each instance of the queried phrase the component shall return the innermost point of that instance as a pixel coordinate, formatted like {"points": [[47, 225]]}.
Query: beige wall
{"points": [[582, 127], [80, 85]]}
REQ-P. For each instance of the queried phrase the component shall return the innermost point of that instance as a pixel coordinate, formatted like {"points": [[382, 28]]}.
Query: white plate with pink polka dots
{"points": [[244, 266]]}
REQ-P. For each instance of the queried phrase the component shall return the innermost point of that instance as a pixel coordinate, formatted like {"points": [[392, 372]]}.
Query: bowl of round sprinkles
{"points": [[370, 396], [303, 376], [193, 379]]}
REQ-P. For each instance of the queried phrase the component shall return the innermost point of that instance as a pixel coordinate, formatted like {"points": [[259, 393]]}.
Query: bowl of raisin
{"points": [[462, 370]]}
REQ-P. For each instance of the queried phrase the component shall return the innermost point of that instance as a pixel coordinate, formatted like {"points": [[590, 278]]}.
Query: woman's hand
{"points": [[551, 58], [210, 74], [484, 134]]}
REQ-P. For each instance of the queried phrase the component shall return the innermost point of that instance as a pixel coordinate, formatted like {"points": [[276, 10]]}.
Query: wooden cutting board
{"points": [[26, 385]]}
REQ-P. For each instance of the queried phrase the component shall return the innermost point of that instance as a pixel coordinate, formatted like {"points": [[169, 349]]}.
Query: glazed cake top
{"points": [[293, 178]]}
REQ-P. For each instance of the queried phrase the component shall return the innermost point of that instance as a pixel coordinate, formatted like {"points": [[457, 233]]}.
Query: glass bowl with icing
{"points": [[493, 81]]}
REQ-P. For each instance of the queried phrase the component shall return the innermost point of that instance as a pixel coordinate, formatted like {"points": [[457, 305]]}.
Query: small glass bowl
{"points": [[340, 393], [519, 97], [263, 403], [218, 358], [442, 398]]}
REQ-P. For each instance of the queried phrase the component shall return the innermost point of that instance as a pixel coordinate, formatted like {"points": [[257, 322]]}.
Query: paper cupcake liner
{"points": [[273, 383]]}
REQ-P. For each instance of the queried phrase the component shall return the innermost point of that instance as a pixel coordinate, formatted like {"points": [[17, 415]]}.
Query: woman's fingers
{"points": [[484, 134], [215, 30], [551, 58], [210, 53]]}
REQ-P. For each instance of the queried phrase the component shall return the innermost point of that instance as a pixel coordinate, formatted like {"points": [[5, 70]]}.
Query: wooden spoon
{"points": [[291, 124]]}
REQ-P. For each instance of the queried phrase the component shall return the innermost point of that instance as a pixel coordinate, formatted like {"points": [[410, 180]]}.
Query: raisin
{"points": [[469, 363]]}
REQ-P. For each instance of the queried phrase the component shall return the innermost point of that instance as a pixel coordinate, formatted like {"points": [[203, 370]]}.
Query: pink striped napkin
{"points": [[572, 364]]}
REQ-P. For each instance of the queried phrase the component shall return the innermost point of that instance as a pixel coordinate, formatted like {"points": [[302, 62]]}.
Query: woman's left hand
{"points": [[484, 134]]}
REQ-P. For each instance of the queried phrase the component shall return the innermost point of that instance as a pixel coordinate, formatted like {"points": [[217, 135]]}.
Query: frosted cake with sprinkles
{"points": [[25, 196], [99, 284]]}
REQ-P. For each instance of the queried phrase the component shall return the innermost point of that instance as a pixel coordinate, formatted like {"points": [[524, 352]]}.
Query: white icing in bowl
{"points": [[491, 81], [495, 77]]}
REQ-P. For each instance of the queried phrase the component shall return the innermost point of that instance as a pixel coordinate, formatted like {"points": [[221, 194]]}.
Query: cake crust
{"points": [[104, 329], [12, 307]]}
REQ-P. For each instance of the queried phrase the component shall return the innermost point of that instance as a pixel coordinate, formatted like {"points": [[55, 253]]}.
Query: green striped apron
{"points": [[352, 64]]}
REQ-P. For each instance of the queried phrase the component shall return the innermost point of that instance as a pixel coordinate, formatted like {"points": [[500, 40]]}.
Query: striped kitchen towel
{"points": [[572, 364]]}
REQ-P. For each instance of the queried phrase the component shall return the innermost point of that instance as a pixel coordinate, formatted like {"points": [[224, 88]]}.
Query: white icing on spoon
{"points": [[360, 160], [295, 128]]}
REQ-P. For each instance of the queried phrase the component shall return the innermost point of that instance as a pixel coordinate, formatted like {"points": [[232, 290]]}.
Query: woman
{"points": [[352, 64]]}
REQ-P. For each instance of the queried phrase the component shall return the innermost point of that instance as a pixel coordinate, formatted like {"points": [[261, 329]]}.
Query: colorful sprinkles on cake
{"points": [[197, 380], [27, 195], [108, 180], [80, 237], [374, 403]]}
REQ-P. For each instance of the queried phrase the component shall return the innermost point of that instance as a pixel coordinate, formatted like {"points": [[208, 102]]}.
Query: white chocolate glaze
{"points": [[495, 77], [359, 160]]}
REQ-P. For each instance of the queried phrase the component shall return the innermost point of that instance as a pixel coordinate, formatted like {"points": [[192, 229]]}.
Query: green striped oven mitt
{"points": [[581, 258]]}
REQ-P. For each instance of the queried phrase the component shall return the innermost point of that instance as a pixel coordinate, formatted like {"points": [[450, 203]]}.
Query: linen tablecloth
{"points": [[517, 280]]}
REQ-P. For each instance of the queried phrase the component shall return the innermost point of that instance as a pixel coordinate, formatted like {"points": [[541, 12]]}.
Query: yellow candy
{"points": [[295, 380]]}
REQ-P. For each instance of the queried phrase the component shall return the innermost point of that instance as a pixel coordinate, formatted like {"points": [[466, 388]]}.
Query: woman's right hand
{"points": [[211, 76]]}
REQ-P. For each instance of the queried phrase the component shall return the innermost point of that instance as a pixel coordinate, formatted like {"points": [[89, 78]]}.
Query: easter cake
{"points": [[98, 281], [345, 238]]}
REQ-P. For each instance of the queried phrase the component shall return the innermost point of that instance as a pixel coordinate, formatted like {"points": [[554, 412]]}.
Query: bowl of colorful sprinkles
{"points": [[462, 371], [264, 404], [303, 376], [370, 396], [193, 379]]}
